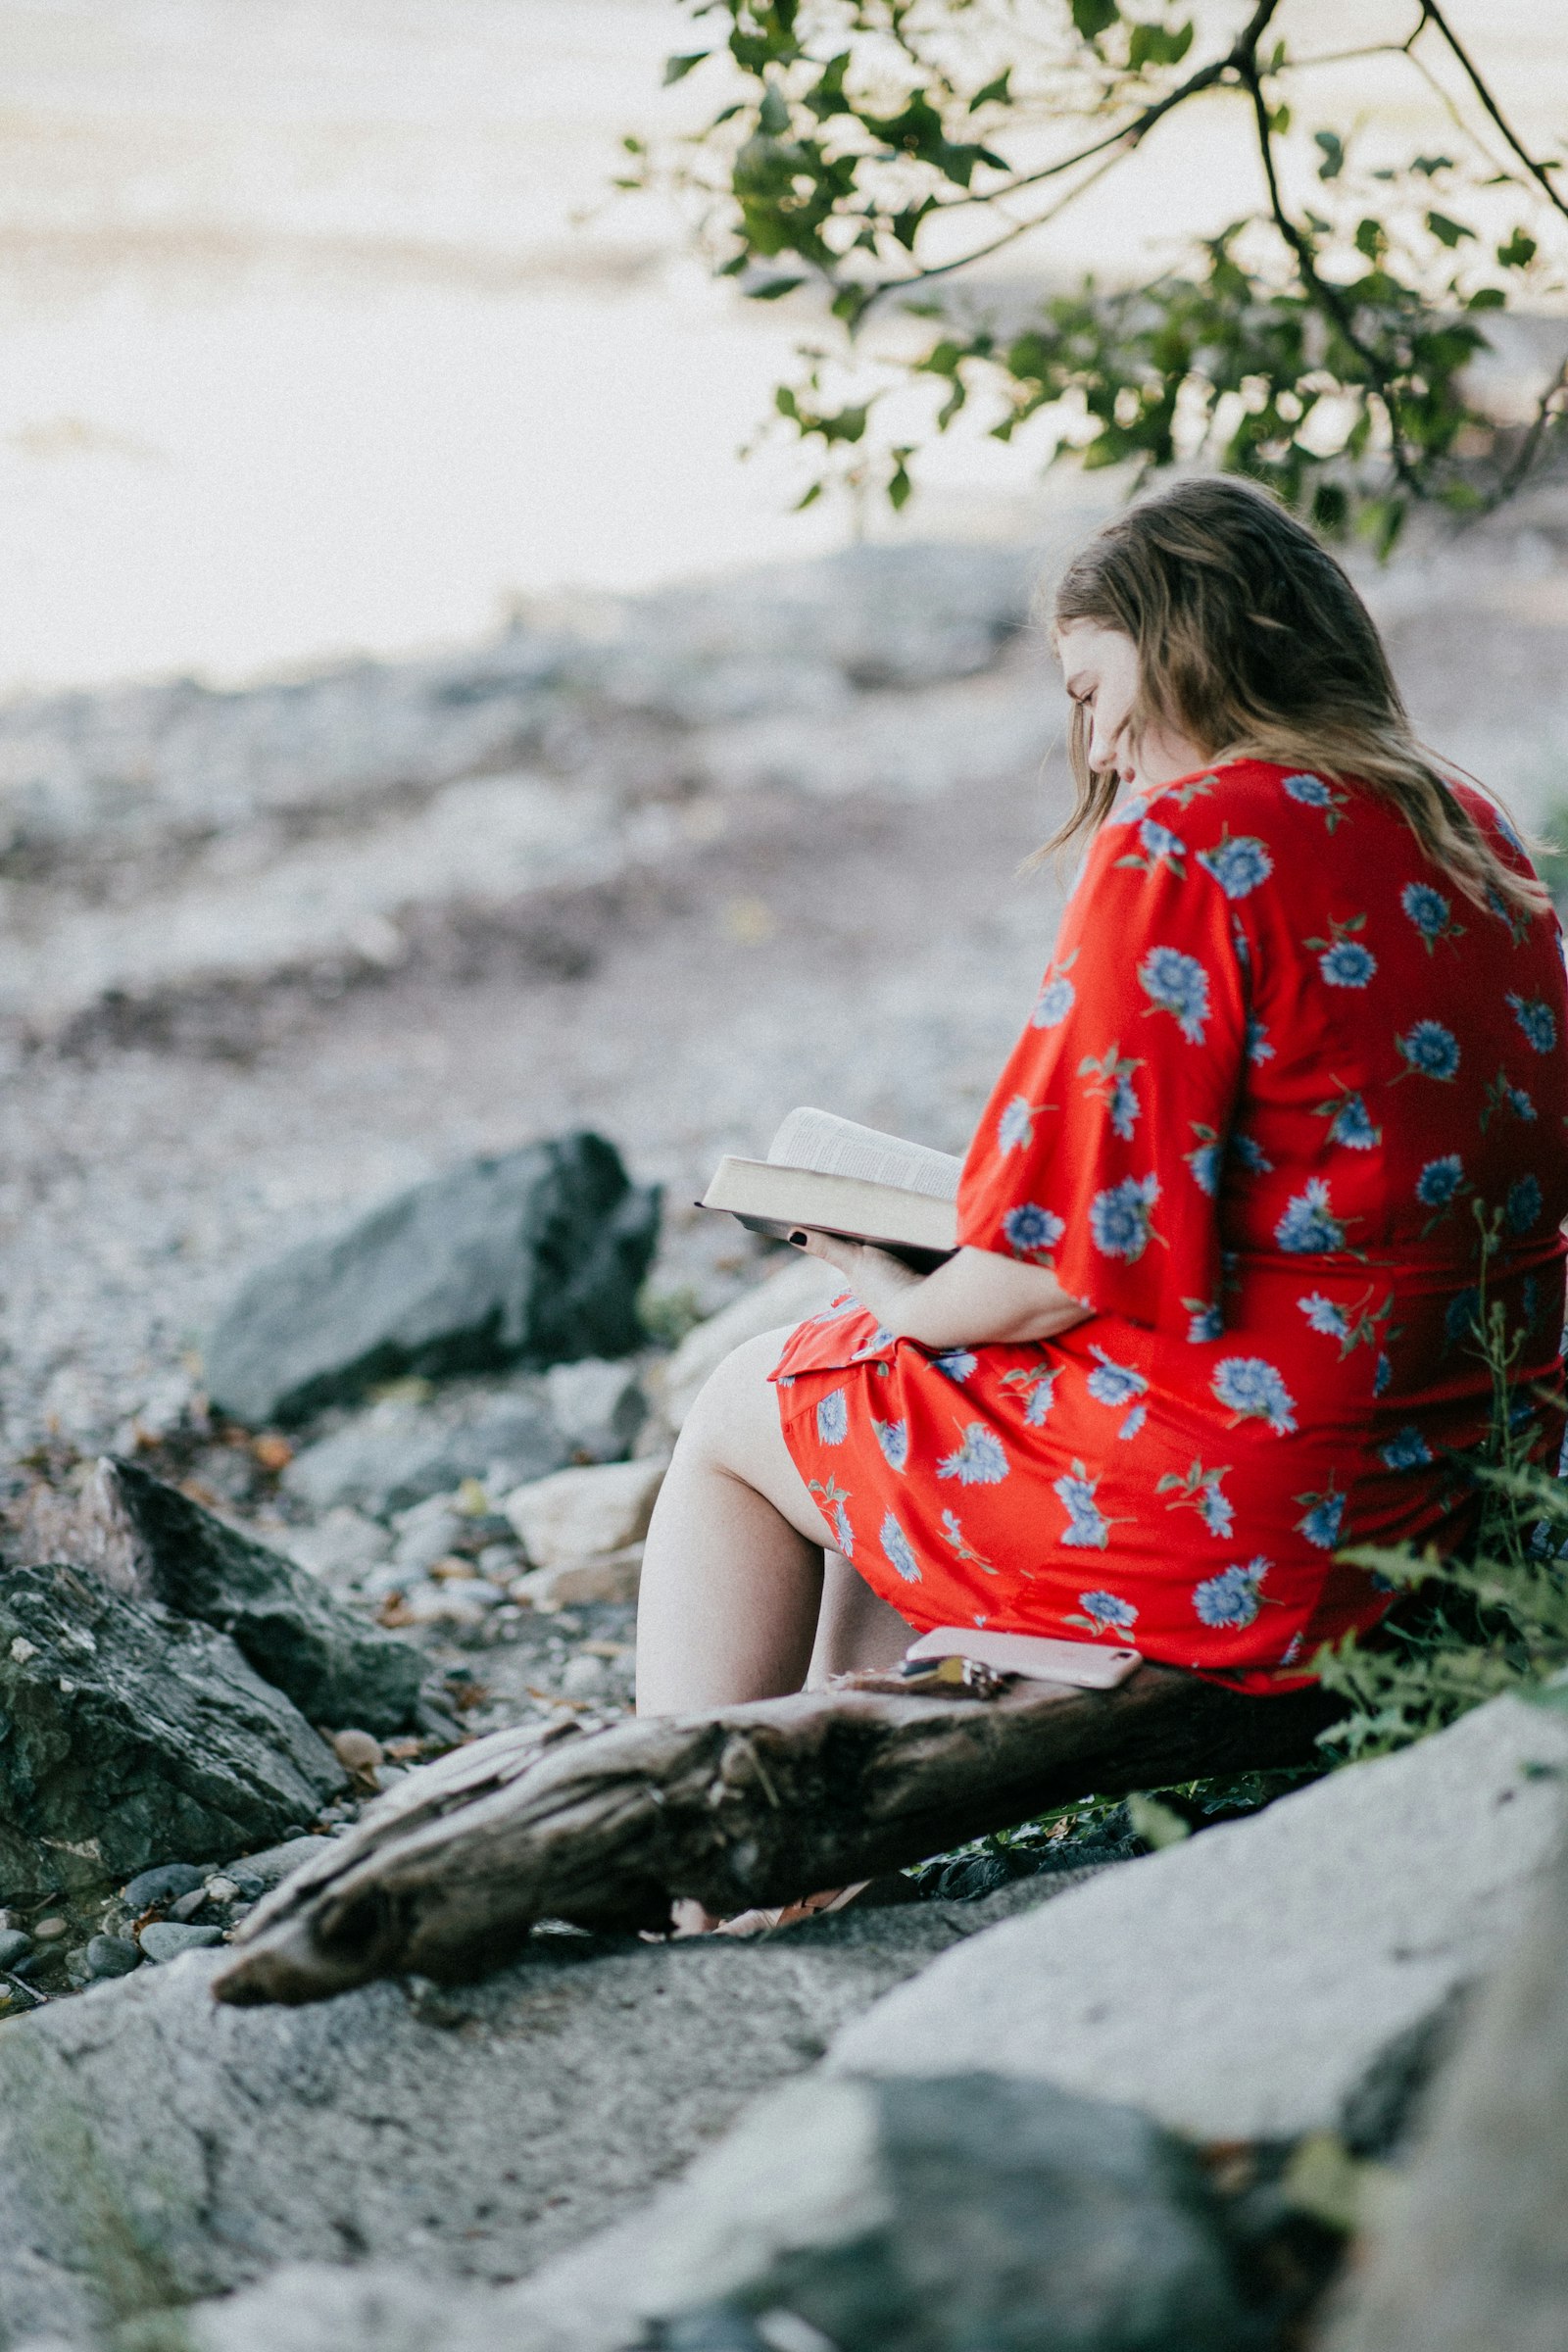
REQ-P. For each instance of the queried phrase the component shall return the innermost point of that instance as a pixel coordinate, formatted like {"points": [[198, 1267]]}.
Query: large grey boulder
{"points": [[533, 1256], [399, 1452], [968, 2209], [1475, 2252], [157, 2148], [1244, 1985], [335, 1668], [129, 1736]]}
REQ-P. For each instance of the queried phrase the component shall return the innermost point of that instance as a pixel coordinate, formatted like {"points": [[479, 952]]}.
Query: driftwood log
{"points": [[755, 1804]]}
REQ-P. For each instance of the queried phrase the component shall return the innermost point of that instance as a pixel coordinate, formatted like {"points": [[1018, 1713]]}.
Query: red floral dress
{"points": [[1280, 1079]]}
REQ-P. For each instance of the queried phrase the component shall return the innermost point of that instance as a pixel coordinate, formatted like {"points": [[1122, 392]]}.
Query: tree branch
{"points": [[1432, 14]]}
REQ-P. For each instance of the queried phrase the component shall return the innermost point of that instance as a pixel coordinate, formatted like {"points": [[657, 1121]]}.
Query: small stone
{"points": [[269, 1868], [598, 1406], [358, 1751], [112, 1956], [576, 1515], [14, 1945], [166, 1938], [583, 1677], [247, 1886], [612, 1576], [49, 1931], [164, 1885], [222, 1890], [188, 1904], [498, 1562]]}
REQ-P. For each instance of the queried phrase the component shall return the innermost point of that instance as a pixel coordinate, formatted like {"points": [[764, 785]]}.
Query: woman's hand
{"points": [[976, 1297]]}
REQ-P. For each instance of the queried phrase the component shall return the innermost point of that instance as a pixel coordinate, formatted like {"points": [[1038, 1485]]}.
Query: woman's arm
{"points": [[975, 1296]]}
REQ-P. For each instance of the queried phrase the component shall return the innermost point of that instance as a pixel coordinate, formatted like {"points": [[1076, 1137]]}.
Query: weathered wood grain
{"points": [[748, 1805]]}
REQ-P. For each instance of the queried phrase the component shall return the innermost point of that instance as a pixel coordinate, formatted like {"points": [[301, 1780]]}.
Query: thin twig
{"points": [[1432, 14]]}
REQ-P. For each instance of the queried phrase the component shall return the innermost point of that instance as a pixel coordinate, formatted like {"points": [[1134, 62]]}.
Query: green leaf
{"points": [[1518, 250], [808, 498], [676, 69], [1155, 1824], [899, 487], [773, 114], [1448, 232], [1157, 45], [1332, 147], [1429, 165], [1488, 298], [773, 289], [995, 93], [1092, 18]]}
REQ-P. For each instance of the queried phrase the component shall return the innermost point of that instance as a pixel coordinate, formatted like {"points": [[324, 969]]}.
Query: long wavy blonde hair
{"points": [[1252, 643]]}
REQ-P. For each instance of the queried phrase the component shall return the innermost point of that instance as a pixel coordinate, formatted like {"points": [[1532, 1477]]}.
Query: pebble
{"points": [[166, 1938], [188, 1904], [14, 1945], [583, 1677], [49, 1931], [224, 1890], [161, 1885], [358, 1751], [270, 1867], [112, 1956]]}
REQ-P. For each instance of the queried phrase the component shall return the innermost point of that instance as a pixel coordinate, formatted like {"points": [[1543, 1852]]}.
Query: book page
{"points": [[818, 1139]]}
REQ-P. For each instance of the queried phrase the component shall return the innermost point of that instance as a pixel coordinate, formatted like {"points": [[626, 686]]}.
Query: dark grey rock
{"points": [[132, 1733], [334, 1667], [168, 1939], [164, 1885], [111, 1955], [14, 1945], [263, 1871], [400, 1454], [968, 2209], [155, 2147], [534, 1257]]}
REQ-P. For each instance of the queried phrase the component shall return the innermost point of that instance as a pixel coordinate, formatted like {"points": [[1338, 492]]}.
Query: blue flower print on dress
{"points": [[1431, 913], [1015, 1128], [1251, 1388], [1237, 865], [1325, 1315], [1201, 1490], [1250, 1154], [1233, 1597], [893, 1437], [956, 1363], [898, 1550], [953, 1530], [1311, 792], [1407, 1450], [977, 1460], [1441, 1181], [1538, 1021], [1205, 1159], [1321, 1521], [1088, 1529], [1350, 1123], [1502, 1091], [1032, 1230], [1158, 845], [1258, 1049], [831, 1498], [1176, 984], [1105, 1614], [874, 1343], [1310, 1223], [1523, 1204], [1429, 1049], [1040, 1393], [1110, 1080], [1205, 1321], [833, 1417], [1343, 961], [1382, 1375], [1056, 996], [1114, 1384], [1121, 1220]]}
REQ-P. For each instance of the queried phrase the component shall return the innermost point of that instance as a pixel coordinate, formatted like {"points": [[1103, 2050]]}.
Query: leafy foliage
{"points": [[880, 151], [1494, 1621]]}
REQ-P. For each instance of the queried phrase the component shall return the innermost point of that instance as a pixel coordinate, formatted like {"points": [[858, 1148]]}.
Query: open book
{"points": [[842, 1177]]}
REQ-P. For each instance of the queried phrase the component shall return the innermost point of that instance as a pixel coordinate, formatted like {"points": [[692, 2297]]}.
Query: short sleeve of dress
{"points": [[1101, 1152]]}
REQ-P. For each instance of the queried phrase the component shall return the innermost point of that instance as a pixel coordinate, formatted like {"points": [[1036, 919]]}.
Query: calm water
{"points": [[308, 347]]}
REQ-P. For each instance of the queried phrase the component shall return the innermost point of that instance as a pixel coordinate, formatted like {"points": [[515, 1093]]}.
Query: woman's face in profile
{"points": [[1100, 668]]}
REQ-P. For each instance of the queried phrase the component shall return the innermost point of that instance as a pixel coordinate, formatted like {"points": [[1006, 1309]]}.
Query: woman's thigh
{"points": [[734, 1428]]}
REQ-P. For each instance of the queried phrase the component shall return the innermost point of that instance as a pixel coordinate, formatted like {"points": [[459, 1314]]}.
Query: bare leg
{"points": [[856, 1626], [732, 1584]]}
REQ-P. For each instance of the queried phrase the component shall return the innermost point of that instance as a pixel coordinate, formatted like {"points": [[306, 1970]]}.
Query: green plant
{"points": [[881, 152], [1493, 1620]]}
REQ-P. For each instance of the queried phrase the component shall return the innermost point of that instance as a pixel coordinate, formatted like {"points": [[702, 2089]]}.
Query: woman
{"points": [[1288, 1110]]}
